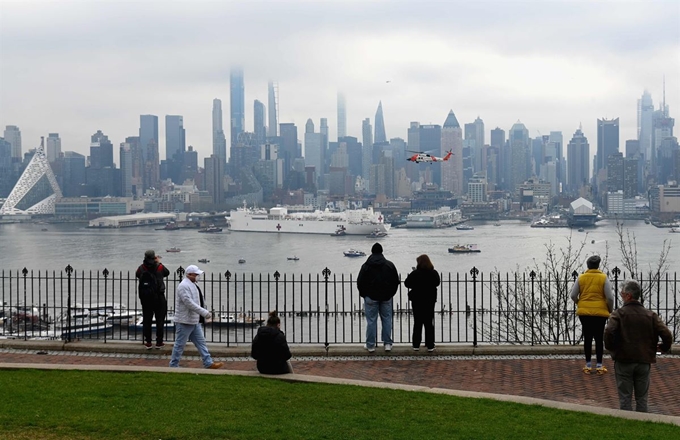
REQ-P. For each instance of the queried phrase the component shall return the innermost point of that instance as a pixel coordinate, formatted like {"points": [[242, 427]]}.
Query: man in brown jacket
{"points": [[631, 336]]}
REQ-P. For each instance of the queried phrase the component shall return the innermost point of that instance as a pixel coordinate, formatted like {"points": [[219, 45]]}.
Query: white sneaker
{"points": [[416, 348], [388, 347], [431, 349], [370, 350]]}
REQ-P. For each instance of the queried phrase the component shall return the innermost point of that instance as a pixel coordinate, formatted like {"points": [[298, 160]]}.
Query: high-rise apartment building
{"points": [[342, 116], [237, 101], [13, 136], [380, 135], [219, 140], [272, 92], [53, 147], [288, 147], [214, 176], [314, 153], [607, 142], [259, 118], [7, 175], [578, 162], [126, 167]]}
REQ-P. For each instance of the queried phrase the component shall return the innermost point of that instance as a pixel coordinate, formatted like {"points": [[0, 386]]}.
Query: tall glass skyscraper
{"points": [[237, 101], [342, 116], [219, 140], [174, 136], [607, 142], [148, 131], [379, 126]]}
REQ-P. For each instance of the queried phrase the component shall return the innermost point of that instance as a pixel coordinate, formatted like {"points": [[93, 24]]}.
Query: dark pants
{"points": [[593, 327], [632, 377], [159, 308], [423, 315]]}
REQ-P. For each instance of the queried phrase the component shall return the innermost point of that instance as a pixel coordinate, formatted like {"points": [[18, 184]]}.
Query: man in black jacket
{"points": [[377, 282], [153, 303]]}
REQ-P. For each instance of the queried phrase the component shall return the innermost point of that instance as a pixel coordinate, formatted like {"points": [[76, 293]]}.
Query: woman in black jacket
{"points": [[270, 348], [423, 282]]}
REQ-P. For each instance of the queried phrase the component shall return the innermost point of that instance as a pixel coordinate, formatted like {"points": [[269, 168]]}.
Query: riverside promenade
{"points": [[544, 375]]}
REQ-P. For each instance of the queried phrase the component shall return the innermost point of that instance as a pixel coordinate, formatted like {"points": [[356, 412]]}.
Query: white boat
{"points": [[114, 313], [139, 324], [232, 320], [279, 220], [465, 227], [354, 253]]}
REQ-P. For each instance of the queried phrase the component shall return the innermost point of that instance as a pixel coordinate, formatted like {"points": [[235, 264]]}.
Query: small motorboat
{"points": [[241, 260], [354, 253], [465, 227], [203, 260], [340, 232], [173, 249], [377, 233], [581, 229], [293, 258]]}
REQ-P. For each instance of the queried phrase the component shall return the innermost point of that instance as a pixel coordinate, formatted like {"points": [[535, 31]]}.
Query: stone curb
{"points": [[631, 415]]}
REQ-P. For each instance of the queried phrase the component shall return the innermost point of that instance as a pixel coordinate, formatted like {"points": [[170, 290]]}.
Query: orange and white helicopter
{"points": [[421, 157]]}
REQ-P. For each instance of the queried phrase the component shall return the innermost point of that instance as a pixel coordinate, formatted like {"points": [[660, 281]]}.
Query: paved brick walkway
{"points": [[557, 378]]}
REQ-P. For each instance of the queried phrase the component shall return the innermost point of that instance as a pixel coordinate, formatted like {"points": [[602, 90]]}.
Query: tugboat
{"points": [[464, 249], [293, 258], [173, 249], [354, 253], [203, 260], [210, 229], [340, 232], [170, 226]]}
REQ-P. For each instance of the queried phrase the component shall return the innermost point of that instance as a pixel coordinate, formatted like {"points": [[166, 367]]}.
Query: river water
{"points": [[512, 245]]}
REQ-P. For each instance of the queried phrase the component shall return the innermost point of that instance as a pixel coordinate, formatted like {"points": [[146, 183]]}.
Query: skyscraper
{"points": [[607, 142], [101, 151], [7, 176], [237, 101], [518, 137], [259, 127], [342, 116], [645, 128], [126, 165], [219, 140], [148, 133], [452, 170], [53, 147], [272, 92], [578, 162], [175, 137], [367, 151], [13, 136], [379, 125], [288, 147], [314, 153]]}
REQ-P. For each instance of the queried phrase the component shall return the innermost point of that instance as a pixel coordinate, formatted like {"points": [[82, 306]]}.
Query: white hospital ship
{"points": [[353, 222]]}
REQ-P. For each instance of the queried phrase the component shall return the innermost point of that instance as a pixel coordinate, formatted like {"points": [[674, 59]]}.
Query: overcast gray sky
{"points": [[75, 67]]}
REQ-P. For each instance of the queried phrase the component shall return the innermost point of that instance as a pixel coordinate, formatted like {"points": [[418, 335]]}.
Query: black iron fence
{"points": [[325, 308]]}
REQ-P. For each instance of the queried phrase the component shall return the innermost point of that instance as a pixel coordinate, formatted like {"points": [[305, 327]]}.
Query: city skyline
{"points": [[503, 62]]}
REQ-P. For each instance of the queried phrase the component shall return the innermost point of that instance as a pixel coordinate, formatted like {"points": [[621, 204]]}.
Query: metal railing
{"points": [[325, 308]]}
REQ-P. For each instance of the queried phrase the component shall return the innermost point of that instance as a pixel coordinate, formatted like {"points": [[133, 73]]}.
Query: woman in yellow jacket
{"points": [[592, 293]]}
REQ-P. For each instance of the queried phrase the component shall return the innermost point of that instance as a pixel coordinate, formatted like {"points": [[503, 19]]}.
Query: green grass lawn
{"points": [[37, 404]]}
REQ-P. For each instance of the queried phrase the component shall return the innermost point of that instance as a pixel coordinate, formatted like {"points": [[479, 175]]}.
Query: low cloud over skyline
{"points": [[78, 67]]}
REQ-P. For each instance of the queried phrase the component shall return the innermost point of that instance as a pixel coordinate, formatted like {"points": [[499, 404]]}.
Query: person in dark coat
{"points": [[156, 304], [378, 281], [270, 348], [423, 282]]}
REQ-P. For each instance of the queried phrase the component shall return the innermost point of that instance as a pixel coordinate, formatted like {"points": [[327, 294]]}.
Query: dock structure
{"points": [[131, 220]]}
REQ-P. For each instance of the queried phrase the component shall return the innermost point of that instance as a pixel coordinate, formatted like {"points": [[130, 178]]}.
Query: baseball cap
{"points": [[193, 269]]}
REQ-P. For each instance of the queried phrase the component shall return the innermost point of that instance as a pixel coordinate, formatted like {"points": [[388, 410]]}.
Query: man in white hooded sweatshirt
{"points": [[190, 308]]}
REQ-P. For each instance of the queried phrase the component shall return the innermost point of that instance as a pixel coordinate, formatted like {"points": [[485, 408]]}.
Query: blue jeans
{"points": [[193, 333], [373, 308]]}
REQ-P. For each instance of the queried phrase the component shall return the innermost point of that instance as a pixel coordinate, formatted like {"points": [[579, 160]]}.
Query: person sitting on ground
{"points": [[270, 348]]}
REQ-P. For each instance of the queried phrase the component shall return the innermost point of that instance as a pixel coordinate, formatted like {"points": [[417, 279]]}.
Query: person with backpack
{"points": [[378, 281], [151, 289]]}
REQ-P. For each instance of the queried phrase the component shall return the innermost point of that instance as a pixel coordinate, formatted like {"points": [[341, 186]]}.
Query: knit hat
{"points": [[593, 262], [376, 249]]}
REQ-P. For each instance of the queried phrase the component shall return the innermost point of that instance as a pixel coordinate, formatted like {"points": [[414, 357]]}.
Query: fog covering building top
{"points": [[37, 190]]}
